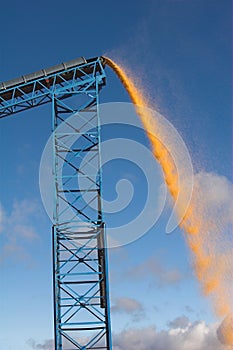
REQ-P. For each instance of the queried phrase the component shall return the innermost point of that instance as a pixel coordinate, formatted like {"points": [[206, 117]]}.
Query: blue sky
{"points": [[181, 52]]}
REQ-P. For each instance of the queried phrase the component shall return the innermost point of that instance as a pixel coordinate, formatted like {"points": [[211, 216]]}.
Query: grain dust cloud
{"points": [[208, 245]]}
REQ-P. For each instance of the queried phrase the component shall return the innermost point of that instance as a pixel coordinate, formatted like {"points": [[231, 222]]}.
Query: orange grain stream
{"points": [[209, 272]]}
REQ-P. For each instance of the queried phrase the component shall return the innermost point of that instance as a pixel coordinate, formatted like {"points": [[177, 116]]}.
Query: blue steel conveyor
{"points": [[80, 271]]}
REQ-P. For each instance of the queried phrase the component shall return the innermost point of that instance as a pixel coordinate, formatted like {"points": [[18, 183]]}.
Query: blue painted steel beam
{"points": [[38, 91], [81, 290]]}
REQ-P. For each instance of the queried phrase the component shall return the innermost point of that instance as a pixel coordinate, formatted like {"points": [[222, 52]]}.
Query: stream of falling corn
{"points": [[212, 264]]}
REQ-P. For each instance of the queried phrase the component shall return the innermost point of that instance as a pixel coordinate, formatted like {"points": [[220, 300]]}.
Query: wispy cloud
{"points": [[46, 345], [189, 309], [179, 322], [2, 214], [161, 274], [17, 228]]}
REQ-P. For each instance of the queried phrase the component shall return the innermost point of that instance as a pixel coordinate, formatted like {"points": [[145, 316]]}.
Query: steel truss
{"points": [[81, 295]]}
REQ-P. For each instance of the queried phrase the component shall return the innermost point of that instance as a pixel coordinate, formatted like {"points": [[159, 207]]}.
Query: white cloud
{"points": [[129, 306], [189, 336], [211, 219], [213, 193], [196, 336]]}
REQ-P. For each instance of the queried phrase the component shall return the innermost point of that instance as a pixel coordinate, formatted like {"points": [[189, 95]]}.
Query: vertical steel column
{"points": [[81, 293]]}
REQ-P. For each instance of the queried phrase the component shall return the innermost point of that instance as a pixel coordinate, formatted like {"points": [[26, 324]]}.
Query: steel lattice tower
{"points": [[81, 295]]}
